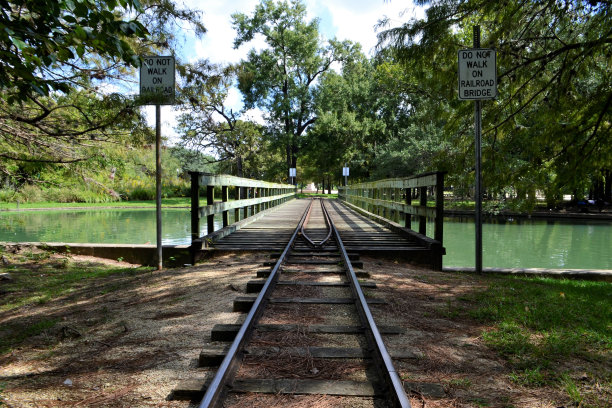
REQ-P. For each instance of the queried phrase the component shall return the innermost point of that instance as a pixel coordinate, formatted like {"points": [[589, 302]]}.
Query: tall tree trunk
{"points": [[599, 187], [239, 172], [288, 152], [608, 185]]}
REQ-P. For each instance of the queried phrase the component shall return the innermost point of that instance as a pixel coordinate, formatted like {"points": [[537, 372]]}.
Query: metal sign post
{"points": [[477, 81], [292, 174], [157, 88]]}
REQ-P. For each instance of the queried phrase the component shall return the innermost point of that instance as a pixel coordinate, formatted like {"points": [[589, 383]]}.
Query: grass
{"points": [[58, 277], [13, 334], [38, 278], [464, 383], [539, 323], [166, 202]]}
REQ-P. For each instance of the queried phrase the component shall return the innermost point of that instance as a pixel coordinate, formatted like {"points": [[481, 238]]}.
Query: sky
{"points": [[353, 20]]}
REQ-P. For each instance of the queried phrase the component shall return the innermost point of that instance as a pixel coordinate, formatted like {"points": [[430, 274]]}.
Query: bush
{"points": [[8, 195], [30, 194], [141, 193], [63, 195]]}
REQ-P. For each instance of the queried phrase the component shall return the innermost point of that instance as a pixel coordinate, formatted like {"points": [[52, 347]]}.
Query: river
{"points": [[518, 243]]}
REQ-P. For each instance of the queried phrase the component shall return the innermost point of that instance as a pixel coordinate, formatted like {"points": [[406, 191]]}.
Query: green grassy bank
{"points": [[166, 202]]}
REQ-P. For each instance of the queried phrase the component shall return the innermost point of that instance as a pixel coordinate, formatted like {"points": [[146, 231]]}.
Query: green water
{"points": [[118, 226], [518, 243], [528, 243]]}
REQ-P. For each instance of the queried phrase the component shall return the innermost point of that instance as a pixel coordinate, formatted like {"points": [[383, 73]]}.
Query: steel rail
{"points": [[389, 375], [328, 223], [216, 389], [309, 241]]}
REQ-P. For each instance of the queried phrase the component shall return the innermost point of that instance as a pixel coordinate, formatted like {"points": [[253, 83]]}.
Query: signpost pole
{"points": [[477, 131], [477, 82], [158, 171], [157, 85]]}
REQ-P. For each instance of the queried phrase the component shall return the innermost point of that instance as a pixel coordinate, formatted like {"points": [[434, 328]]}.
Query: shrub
{"points": [[30, 194], [7, 195], [142, 193]]}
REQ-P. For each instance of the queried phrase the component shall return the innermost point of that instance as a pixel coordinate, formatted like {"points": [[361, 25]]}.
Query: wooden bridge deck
{"points": [[359, 234]]}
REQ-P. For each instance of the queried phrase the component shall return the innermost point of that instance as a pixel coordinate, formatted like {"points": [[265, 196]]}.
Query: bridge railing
{"points": [[249, 198], [392, 199]]}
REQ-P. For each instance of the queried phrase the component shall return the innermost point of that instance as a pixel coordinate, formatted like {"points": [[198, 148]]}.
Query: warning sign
{"points": [[157, 80], [477, 74]]}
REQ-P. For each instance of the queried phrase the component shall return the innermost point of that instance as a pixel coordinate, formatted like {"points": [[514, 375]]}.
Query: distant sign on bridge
{"points": [[477, 74]]}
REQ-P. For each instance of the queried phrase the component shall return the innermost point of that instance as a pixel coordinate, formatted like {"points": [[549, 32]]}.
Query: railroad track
{"points": [[308, 331]]}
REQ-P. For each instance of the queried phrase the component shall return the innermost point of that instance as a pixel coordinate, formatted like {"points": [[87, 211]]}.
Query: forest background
{"points": [[65, 138]]}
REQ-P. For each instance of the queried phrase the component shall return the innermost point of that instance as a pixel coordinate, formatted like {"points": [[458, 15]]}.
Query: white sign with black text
{"points": [[157, 80], [477, 74]]}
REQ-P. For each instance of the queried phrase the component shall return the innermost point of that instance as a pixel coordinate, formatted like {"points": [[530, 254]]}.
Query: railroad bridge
{"points": [[311, 296], [375, 218]]}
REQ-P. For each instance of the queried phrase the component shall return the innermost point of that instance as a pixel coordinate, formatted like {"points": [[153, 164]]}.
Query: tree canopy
{"points": [[281, 79], [62, 65], [394, 114], [62, 59], [550, 127]]}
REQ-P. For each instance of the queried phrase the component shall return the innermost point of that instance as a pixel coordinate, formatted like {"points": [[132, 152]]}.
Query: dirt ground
{"points": [[131, 346]]}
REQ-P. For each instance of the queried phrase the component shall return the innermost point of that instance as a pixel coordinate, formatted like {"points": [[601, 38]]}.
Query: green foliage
{"points": [[347, 126], [241, 146], [12, 335], [314, 195], [460, 383], [571, 389], [538, 322], [115, 174], [57, 117], [551, 125], [41, 39], [282, 77], [529, 377]]}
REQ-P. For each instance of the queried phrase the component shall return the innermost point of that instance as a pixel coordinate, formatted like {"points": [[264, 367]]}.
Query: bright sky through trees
{"points": [[353, 20]]}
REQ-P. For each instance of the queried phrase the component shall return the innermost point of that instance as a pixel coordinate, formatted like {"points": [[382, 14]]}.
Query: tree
{"points": [[551, 126], [348, 125], [59, 59], [281, 78], [208, 126], [40, 41], [51, 45]]}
